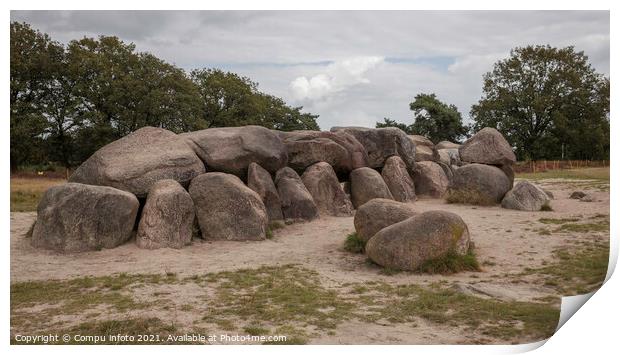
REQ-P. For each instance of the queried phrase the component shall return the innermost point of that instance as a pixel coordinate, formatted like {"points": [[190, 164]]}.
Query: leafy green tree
{"points": [[387, 122], [34, 60], [436, 120], [229, 99], [548, 102]]}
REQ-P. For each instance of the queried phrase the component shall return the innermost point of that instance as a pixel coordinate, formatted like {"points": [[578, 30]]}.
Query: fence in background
{"points": [[544, 165]]}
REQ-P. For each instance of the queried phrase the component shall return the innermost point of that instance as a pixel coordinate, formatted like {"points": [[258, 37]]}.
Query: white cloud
{"points": [[337, 77]]}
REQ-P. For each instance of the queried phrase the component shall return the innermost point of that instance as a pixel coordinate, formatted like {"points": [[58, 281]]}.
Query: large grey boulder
{"points": [[398, 180], [424, 148], [297, 202], [137, 161], [525, 196], [339, 149], [76, 218], [430, 179], [382, 143], [488, 146], [366, 184], [232, 149], [379, 213], [406, 245], [327, 193], [261, 182], [227, 209], [447, 145], [478, 184], [167, 217]]}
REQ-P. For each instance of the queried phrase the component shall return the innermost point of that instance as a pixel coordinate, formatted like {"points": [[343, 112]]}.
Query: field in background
{"points": [[601, 173], [27, 191]]}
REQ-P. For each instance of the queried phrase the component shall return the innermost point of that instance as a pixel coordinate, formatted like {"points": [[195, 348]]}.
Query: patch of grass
{"points": [[388, 271], [275, 225], [451, 263], [546, 207], [600, 226], [129, 326], [255, 330], [576, 271], [470, 197], [503, 319], [279, 295], [27, 192], [557, 220], [354, 243], [269, 233], [573, 174]]}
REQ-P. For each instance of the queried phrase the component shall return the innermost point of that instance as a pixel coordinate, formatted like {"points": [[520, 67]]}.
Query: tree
{"points": [[547, 101], [34, 60], [229, 99], [436, 120], [387, 122]]}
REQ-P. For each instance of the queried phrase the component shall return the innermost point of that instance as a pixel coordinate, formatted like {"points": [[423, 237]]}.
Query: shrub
{"points": [[354, 243]]}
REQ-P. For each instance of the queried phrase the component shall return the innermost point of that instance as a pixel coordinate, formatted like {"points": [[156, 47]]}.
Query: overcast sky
{"points": [[351, 68]]}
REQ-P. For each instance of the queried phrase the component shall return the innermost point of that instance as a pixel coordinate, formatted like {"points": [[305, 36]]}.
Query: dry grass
{"points": [[26, 192], [572, 174]]}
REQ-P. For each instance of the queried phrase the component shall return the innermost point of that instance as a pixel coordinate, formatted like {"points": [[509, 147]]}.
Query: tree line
{"points": [[548, 102], [67, 101]]}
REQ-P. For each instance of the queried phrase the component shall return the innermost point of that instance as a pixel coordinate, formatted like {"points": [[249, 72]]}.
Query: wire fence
{"points": [[544, 165]]}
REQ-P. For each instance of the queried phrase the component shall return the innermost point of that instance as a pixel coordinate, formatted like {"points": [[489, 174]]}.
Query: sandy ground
{"points": [[505, 239]]}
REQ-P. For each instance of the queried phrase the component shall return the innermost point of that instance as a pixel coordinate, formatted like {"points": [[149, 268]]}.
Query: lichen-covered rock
{"points": [[398, 180], [329, 197], [379, 213], [576, 195], [232, 149], [488, 146], [227, 209], [478, 184], [382, 143], [137, 161], [406, 245], [76, 218], [261, 182], [297, 202], [525, 196], [167, 217], [339, 149], [366, 184], [424, 149], [430, 179]]}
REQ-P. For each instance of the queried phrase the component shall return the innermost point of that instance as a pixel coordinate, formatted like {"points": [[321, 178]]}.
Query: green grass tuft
{"points": [[451, 263], [354, 243]]}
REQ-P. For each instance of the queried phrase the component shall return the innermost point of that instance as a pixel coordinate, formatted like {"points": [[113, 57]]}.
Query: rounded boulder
{"points": [[398, 180], [366, 184], [379, 213], [525, 196], [327, 193], [478, 184], [297, 202]]}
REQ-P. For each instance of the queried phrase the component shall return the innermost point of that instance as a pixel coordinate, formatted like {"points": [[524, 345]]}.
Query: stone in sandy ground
{"points": [[227, 209], [406, 245], [488, 146], [366, 184], [339, 149], [76, 217], [576, 195], [479, 184], [329, 197], [167, 217], [398, 180], [232, 149], [382, 143], [588, 198], [549, 194], [424, 149], [525, 196], [297, 202], [430, 179], [261, 182], [447, 145], [135, 162], [379, 213]]}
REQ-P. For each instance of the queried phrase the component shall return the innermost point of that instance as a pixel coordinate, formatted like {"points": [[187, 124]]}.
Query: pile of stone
{"points": [[231, 183]]}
